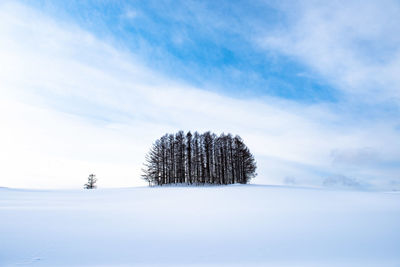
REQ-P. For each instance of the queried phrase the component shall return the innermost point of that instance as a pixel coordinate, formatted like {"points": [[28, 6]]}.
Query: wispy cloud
{"points": [[73, 103], [355, 45]]}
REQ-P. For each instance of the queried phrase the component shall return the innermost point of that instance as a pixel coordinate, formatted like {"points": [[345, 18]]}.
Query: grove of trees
{"points": [[199, 159]]}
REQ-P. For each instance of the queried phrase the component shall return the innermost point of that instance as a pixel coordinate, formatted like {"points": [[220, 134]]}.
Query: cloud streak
{"points": [[355, 45]]}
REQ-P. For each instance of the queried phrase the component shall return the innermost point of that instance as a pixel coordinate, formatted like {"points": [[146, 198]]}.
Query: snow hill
{"points": [[239, 225]]}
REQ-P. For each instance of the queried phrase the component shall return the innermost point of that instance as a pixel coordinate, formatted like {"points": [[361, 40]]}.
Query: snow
{"points": [[239, 225]]}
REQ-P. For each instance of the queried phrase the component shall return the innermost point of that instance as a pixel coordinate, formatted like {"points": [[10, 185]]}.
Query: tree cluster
{"points": [[199, 159]]}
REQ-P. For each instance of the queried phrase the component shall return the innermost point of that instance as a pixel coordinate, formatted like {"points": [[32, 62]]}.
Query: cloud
{"points": [[355, 45], [359, 156], [73, 104], [341, 181], [289, 180]]}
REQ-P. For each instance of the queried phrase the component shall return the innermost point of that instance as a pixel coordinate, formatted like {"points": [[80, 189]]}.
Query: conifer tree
{"points": [[91, 184]]}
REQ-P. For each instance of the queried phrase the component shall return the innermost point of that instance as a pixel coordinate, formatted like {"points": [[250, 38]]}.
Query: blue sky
{"points": [[312, 87], [210, 44]]}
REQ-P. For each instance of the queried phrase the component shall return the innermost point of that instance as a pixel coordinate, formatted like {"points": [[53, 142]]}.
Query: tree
{"points": [[91, 184], [199, 159], [189, 173], [180, 156]]}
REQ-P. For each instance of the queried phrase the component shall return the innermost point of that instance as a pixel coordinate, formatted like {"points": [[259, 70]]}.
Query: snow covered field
{"points": [[247, 225]]}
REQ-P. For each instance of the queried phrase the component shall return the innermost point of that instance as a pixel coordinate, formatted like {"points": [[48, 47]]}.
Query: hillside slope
{"points": [[245, 225]]}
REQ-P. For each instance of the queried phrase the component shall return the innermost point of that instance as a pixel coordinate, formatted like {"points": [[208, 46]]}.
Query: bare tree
{"points": [[189, 173], [199, 159]]}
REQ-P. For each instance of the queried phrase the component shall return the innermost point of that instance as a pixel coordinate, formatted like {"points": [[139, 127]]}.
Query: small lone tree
{"points": [[91, 184]]}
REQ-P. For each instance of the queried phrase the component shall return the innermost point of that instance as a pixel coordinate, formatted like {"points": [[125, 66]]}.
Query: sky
{"points": [[312, 87]]}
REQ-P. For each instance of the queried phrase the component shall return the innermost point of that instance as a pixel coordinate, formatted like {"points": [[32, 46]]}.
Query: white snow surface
{"points": [[239, 225]]}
